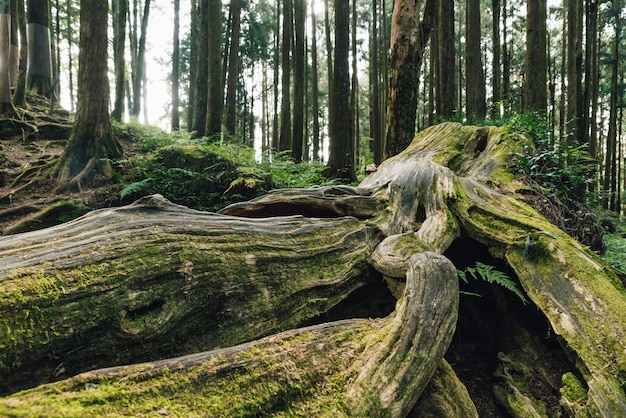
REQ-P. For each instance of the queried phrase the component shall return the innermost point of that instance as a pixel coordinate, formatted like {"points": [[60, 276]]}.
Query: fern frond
{"points": [[491, 275], [134, 187]]}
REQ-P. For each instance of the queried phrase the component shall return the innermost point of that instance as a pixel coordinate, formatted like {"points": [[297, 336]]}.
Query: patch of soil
{"points": [[30, 146]]}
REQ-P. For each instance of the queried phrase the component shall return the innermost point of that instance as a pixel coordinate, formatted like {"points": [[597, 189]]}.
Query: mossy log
{"points": [[155, 279], [358, 367], [159, 280]]}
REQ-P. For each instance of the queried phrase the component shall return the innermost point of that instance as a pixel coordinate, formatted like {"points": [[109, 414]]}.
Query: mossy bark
{"points": [[154, 279], [160, 280]]}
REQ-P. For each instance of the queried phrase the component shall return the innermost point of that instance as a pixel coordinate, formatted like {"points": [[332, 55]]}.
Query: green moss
{"points": [[573, 389], [295, 376]]}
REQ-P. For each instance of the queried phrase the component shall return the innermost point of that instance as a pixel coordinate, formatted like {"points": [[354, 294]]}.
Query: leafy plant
{"points": [[563, 169], [490, 275], [135, 187], [616, 248]]}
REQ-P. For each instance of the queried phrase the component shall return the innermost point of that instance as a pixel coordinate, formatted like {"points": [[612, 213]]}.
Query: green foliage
{"points": [[134, 188], [280, 172], [204, 174], [616, 248], [148, 138], [490, 275], [564, 170]]}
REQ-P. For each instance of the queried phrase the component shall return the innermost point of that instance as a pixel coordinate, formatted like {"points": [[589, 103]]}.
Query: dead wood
{"points": [[160, 280]]}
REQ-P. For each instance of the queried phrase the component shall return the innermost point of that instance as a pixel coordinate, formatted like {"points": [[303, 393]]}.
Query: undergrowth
{"points": [[562, 169], [203, 174]]}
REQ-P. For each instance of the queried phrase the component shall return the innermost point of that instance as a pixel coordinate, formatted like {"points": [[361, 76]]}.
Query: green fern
{"points": [[134, 187], [492, 276]]}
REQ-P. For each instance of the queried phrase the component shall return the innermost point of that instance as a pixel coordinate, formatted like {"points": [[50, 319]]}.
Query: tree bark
{"points": [[91, 138], [215, 98], [140, 61], [120, 13], [6, 101], [299, 63], [341, 147], [315, 92], [175, 78], [160, 280], [374, 88], [409, 38], [233, 67], [39, 73], [535, 64], [445, 79], [476, 103]]}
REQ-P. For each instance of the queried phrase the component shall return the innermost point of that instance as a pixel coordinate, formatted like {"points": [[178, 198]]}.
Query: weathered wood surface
{"points": [[155, 279], [451, 181], [349, 368]]}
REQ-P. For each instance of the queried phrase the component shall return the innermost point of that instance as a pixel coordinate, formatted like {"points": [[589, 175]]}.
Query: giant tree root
{"points": [[347, 368], [159, 280], [155, 279]]}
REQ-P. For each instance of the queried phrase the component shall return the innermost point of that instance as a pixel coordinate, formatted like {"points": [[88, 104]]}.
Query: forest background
{"points": [[261, 75], [486, 59]]}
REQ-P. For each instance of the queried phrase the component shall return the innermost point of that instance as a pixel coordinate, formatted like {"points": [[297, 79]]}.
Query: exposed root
{"points": [[75, 181], [40, 165], [34, 173]]}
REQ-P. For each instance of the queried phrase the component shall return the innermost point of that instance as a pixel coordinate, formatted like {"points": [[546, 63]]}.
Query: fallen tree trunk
{"points": [[161, 280], [154, 279], [388, 362]]}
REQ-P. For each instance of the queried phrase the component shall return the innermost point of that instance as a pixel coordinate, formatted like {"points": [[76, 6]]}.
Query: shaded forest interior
{"points": [[497, 334]]}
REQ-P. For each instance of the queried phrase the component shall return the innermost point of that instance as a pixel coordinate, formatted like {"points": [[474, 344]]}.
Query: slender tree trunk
{"points": [[535, 64], [39, 72], [202, 71], [341, 155], [233, 67], [14, 54], [354, 92], [315, 89], [374, 86], [140, 61], [591, 9], [409, 38], [610, 164], [496, 79], [444, 58], [384, 91], [265, 117], [6, 101], [19, 96], [574, 71], [70, 58], [193, 64], [119, 47], [275, 126], [175, 68], [285, 139], [593, 130], [562, 105], [329, 62], [476, 101], [299, 62], [215, 98]]}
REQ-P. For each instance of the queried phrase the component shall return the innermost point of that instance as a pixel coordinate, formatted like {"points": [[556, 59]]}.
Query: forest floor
{"points": [[30, 146]]}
